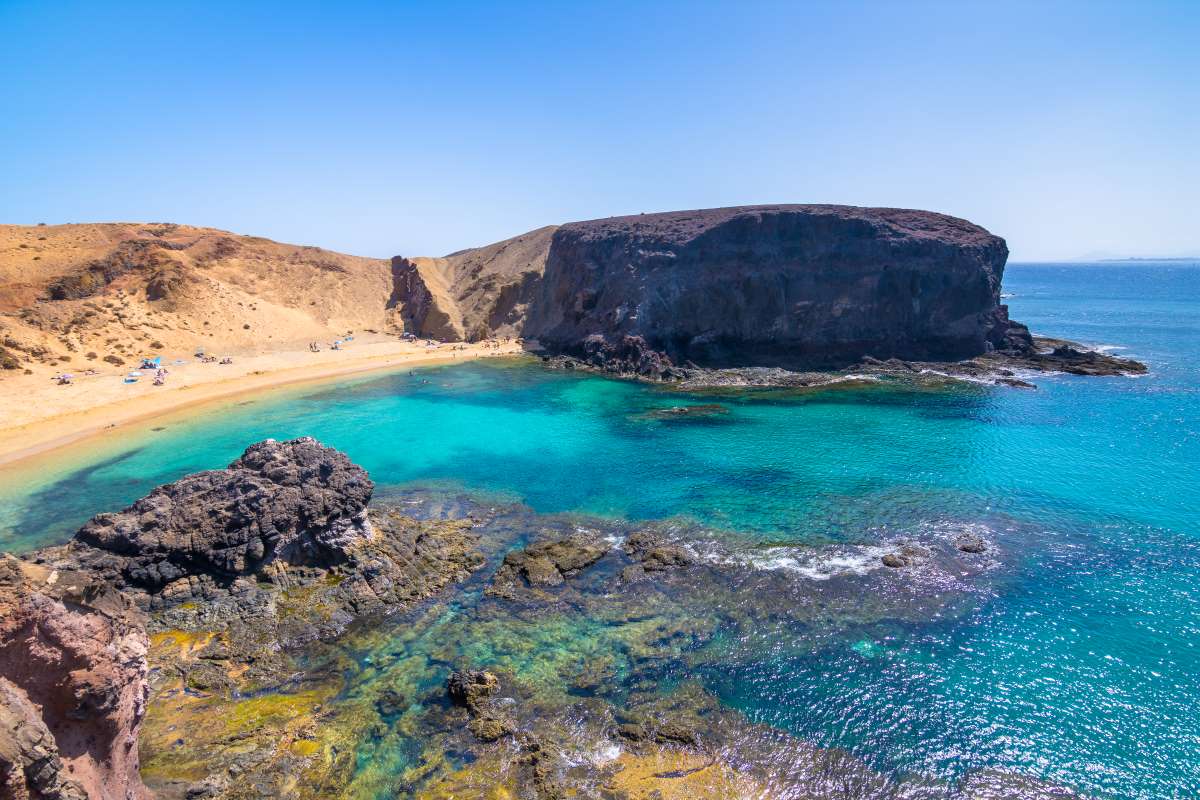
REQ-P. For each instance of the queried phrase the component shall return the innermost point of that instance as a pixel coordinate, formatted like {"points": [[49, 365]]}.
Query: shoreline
{"points": [[60, 427]]}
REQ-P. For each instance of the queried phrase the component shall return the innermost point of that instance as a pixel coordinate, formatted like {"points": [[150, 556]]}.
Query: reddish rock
{"points": [[72, 686]]}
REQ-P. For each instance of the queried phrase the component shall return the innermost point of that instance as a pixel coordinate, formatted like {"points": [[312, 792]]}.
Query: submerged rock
{"points": [[700, 411], [471, 687], [971, 543], [907, 556], [655, 553], [474, 690]]}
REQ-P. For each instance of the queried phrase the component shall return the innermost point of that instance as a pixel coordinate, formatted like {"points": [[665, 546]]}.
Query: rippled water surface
{"points": [[1075, 658]]}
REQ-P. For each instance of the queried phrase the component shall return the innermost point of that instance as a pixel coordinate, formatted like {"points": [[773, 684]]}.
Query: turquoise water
{"points": [[1081, 662]]}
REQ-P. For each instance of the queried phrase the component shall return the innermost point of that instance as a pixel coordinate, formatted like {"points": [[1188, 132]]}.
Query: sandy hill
{"points": [[73, 294], [477, 293]]}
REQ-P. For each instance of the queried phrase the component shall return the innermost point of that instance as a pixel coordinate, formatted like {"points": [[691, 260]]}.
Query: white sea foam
{"points": [[613, 539], [821, 565], [993, 379], [818, 564], [606, 752], [983, 380]]}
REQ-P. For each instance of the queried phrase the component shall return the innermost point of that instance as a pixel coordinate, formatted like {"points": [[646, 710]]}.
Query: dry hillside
{"points": [[74, 294], [473, 294]]}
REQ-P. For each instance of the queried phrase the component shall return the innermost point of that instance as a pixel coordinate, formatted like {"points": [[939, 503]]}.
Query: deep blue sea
{"points": [[1080, 664]]}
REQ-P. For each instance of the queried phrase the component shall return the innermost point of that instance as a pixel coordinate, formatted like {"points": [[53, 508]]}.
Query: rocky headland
{"points": [[754, 295]]}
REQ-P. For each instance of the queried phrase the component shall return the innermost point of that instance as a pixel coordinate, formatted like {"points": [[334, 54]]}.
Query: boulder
{"points": [[971, 543], [653, 553]]}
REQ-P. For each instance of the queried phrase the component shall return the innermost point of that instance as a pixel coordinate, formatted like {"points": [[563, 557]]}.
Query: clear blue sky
{"points": [[420, 128]]}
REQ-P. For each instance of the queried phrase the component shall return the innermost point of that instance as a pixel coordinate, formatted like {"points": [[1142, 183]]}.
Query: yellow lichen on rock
{"points": [[668, 774], [489, 778], [184, 642]]}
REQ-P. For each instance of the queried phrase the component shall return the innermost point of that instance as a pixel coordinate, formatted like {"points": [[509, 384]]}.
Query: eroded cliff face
{"points": [[472, 294], [73, 686], [792, 286]]}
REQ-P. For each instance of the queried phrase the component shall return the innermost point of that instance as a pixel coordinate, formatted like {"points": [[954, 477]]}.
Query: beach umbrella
{"points": [[135, 374]]}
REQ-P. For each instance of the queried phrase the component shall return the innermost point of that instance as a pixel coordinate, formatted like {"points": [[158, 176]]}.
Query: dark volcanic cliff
{"points": [[786, 285]]}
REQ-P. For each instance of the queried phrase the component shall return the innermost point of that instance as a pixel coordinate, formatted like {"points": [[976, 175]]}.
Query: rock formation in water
{"points": [[672, 296], [286, 520], [544, 564], [246, 564], [72, 686], [297, 503]]}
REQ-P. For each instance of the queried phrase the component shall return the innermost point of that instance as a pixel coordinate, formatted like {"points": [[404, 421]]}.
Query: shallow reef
{"points": [[584, 657]]}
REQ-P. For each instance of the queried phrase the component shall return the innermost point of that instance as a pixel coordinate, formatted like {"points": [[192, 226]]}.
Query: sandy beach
{"points": [[40, 415]]}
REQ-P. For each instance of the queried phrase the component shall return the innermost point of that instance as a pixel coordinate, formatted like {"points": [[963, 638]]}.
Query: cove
{"points": [[1075, 658]]}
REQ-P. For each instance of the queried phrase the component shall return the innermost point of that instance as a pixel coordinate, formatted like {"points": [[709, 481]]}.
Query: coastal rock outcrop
{"points": [[277, 549], [297, 502], [73, 686], [787, 285], [219, 580], [768, 290]]}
